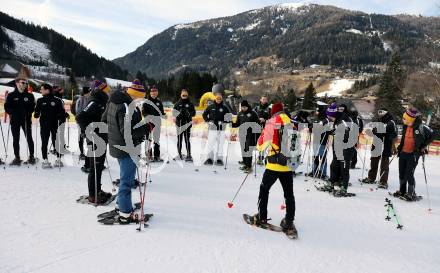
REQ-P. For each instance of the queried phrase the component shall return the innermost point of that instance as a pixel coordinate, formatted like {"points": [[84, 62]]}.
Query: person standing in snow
{"points": [[263, 112], [153, 108], [360, 123], [50, 111], [20, 105], [184, 111], [248, 139], [320, 152], [92, 113], [217, 115], [118, 120], [81, 103], [277, 167], [414, 142], [388, 138]]}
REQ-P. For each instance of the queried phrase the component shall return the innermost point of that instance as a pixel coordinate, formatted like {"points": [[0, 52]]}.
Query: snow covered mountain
{"points": [[298, 34]]}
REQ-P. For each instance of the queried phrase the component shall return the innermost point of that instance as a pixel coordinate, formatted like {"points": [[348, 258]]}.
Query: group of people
{"points": [[262, 128]]}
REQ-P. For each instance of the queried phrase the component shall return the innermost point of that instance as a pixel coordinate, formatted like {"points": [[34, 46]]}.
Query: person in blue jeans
{"points": [[125, 146]]}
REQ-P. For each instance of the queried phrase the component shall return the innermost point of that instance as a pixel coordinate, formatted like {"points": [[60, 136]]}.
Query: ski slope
{"points": [[43, 229]]}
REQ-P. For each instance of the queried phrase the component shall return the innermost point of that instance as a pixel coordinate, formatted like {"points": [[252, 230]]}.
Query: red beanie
{"points": [[276, 107]]}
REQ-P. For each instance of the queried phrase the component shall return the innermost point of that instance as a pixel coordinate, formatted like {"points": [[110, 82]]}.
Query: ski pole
{"points": [[168, 151], [426, 183], [110, 174], [94, 170], [36, 144], [59, 151], [365, 159], [393, 211], [68, 135], [4, 144], [140, 197], [227, 151], [7, 142], [231, 203], [26, 135], [305, 148]]}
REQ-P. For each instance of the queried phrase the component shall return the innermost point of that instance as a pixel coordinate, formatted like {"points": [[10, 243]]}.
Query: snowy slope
{"points": [[43, 229], [337, 87]]}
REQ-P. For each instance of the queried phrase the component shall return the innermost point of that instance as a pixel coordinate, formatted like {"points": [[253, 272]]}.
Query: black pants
{"points": [[46, 132], [354, 159], [96, 164], [81, 144], [184, 135], [27, 129], [248, 147], [269, 178], [384, 169], [407, 166], [340, 172]]}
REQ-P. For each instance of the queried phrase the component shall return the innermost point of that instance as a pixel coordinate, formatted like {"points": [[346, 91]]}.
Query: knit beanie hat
{"points": [[136, 90], [245, 103], [332, 111], [276, 107], [102, 86], [410, 115]]}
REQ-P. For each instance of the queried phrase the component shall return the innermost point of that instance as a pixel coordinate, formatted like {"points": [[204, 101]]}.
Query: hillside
{"points": [[298, 35]]}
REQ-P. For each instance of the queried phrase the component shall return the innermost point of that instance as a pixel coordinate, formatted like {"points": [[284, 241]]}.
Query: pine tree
{"points": [[389, 95], [73, 85], [309, 97], [291, 100]]}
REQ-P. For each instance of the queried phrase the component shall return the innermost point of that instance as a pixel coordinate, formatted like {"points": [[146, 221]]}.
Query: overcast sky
{"points": [[115, 28]]}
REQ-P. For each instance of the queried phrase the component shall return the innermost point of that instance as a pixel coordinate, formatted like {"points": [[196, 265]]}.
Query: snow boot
{"points": [[58, 163], [188, 158], [257, 221], [82, 157], [382, 186], [129, 218], [240, 163], [242, 168], [247, 170], [208, 162], [219, 162], [398, 194], [158, 160], [46, 164], [85, 170], [16, 162]]}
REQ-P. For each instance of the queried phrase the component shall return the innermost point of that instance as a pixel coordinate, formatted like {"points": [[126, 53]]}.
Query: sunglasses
{"points": [[23, 82]]}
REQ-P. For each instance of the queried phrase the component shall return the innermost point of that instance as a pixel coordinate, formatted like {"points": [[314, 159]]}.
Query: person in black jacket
{"points": [[263, 112], [217, 115], [118, 122], [360, 123], [93, 113], [340, 167], [414, 143], [50, 111], [20, 105], [184, 111], [153, 109], [248, 139], [321, 147], [388, 138]]}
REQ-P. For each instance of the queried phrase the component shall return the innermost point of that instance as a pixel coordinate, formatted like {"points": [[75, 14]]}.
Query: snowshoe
{"points": [[179, 157], [46, 164], [16, 162], [85, 169], [82, 157], [219, 162], [58, 163], [188, 158], [122, 220], [397, 194], [382, 186], [157, 160], [208, 162], [367, 180], [240, 163], [247, 170], [289, 229], [256, 222], [328, 187], [411, 198], [343, 193], [115, 212], [242, 168], [30, 161], [84, 199]]}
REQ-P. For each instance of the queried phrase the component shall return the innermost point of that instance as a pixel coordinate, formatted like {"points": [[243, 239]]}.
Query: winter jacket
{"points": [[93, 112], [216, 115], [269, 139], [263, 111], [184, 111], [244, 117], [325, 135], [150, 110], [423, 136], [389, 136], [20, 106], [343, 120], [81, 103], [115, 116], [50, 111]]}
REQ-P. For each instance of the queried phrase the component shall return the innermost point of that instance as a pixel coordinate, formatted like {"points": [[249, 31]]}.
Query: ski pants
{"points": [[269, 178], [247, 149], [216, 140], [340, 172], [181, 135], [407, 166], [96, 164], [127, 170], [48, 131], [384, 169], [26, 126]]}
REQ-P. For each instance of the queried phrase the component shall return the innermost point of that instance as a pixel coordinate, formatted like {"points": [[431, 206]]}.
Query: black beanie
{"points": [[245, 103], [85, 90]]}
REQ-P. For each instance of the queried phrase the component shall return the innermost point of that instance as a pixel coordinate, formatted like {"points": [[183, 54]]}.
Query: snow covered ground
{"points": [[43, 229], [337, 87]]}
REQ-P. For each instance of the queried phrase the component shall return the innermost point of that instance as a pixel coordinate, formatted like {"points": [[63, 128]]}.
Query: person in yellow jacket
{"points": [[277, 167]]}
